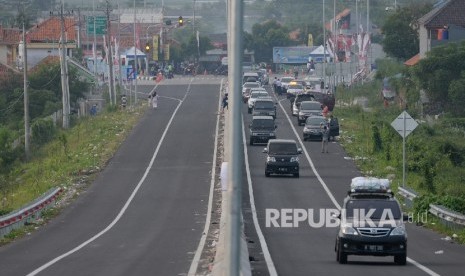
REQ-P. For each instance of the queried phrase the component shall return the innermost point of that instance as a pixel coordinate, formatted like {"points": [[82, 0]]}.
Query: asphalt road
{"points": [[144, 218], [145, 213], [306, 250]]}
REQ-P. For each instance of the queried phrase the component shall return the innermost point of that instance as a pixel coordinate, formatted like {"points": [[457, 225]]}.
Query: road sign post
{"points": [[404, 124], [99, 26]]}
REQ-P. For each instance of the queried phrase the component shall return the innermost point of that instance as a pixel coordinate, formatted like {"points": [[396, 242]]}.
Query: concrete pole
{"points": [[64, 73], [27, 135], [235, 176], [110, 57], [135, 56], [324, 45]]}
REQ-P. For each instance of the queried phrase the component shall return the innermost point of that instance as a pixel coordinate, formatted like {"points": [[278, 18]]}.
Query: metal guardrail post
{"points": [[29, 213]]}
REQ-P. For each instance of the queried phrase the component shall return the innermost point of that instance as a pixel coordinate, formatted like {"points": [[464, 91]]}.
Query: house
{"points": [[9, 39], [43, 39], [444, 24]]}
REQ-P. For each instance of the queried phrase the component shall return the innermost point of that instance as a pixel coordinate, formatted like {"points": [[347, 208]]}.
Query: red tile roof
{"points": [[413, 60], [451, 12], [9, 36], [50, 30]]}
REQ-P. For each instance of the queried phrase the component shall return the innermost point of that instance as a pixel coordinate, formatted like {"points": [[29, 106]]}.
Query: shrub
{"points": [[43, 130]]}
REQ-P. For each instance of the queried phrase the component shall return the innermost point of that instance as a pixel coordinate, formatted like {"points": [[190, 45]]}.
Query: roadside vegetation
{"points": [[435, 152], [69, 159]]}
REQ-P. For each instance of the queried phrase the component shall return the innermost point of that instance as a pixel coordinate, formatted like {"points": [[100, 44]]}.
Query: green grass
{"points": [[434, 152], [76, 155]]}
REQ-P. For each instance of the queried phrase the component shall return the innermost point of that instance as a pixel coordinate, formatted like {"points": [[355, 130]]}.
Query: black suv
{"points": [[262, 129], [282, 157], [372, 223], [264, 107]]}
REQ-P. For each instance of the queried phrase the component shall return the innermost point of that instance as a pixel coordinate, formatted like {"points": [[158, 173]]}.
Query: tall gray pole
{"points": [[94, 48], [135, 56], [64, 73], [324, 45], [235, 136], [27, 135], [110, 57], [193, 19]]}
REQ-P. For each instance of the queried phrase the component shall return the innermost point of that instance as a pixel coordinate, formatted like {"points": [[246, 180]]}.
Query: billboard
{"points": [[295, 55]]}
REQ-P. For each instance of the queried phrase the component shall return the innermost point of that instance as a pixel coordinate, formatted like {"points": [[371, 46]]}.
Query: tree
{"points": [[192, 49], [264, 37], [442, 75], [457, 96], [401, 31]]}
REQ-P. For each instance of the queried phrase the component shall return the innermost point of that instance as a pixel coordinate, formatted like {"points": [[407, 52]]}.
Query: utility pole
{"points": [[27, 135], [64, 73], [324, 45], [110, 56], [135, 56]]}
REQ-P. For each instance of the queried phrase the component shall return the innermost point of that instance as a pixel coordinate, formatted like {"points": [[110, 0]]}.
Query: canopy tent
{"points": [[129, 53], [318, 54]]}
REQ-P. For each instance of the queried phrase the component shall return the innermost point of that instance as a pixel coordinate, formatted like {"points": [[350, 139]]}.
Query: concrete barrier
{"points": [[29, 213]]}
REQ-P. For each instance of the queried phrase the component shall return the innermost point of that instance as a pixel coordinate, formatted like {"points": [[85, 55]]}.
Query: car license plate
{"points": [[374, 247], [283, 169]]}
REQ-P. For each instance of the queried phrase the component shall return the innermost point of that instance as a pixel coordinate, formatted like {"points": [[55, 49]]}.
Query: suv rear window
{"points": [[310, 106], [378, 205], [264, 105], [262, 123], [282, 148]]}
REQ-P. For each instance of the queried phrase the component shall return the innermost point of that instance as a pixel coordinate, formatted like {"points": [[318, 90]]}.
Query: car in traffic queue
{"points": [[246, 89], [314, 83], [313, 129], [307, 109], [314, 126], [266, 107], [262, 129], [294, 89], [256, 93], [285, 83], [295, 102], [282, 157], [380, 231], [250, 77], [264, 77]]}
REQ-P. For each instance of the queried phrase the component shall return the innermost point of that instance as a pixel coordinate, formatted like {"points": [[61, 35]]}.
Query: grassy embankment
{"points": [[73, 157]]}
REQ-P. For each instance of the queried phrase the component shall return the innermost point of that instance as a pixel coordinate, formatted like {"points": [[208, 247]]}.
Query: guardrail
{"points": [[409, 195], [29, 213], [449, 217]]}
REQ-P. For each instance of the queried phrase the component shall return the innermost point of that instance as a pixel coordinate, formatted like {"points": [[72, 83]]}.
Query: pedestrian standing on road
{"points": [[225, 102], [325, 110], [154, 99], [325, 137], [278, 87]]}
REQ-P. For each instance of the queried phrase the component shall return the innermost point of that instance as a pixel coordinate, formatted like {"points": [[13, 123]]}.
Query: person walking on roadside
{"points": [[225, 102], [325, 137], [154, 99]]}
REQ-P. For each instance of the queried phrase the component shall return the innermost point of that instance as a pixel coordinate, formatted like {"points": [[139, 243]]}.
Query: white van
{"points": [[250, 77]]}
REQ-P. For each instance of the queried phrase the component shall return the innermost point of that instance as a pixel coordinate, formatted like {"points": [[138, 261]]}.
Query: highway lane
{"points": [[306, 250], [159, 231]]}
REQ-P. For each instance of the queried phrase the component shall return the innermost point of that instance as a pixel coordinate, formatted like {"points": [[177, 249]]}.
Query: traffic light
{"points": [[180, 21], [147, 47]]}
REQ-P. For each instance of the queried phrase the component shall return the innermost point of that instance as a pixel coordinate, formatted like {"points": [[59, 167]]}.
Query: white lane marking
{"points": [[261, 237], [309, 159], [422, 267], [331, 196], [126, 205], [198, 253]]}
